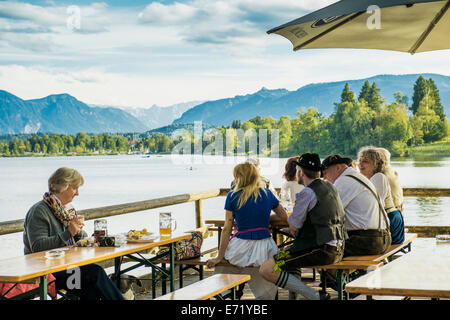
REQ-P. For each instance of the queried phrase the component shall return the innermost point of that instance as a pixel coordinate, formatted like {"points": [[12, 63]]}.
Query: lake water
{"points": [[113, 180]]}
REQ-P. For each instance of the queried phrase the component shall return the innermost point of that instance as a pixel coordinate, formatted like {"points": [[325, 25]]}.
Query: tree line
{"points": [[362, 120], [358, 120], [82, 143]]}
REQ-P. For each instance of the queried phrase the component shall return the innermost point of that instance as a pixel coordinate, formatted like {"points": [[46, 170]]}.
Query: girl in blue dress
{"points": [[250, 206]]}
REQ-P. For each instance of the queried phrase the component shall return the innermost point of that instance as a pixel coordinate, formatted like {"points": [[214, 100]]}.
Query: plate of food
{"points": [[140, 236]]}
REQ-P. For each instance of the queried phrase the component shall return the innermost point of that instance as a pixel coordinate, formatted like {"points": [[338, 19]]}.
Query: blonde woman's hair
{"points": [[247, 178], [375, 156], [386, 154], [60, 180]]}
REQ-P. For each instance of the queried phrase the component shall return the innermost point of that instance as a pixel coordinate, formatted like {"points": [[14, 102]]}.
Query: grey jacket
{"points": [[43, 231]]}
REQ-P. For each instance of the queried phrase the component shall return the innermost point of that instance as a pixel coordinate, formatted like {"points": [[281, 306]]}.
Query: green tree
{"points": [[347, 94], [351, 127], [434, 93], [375, 100], [285, 131], [432, 127], [309, 132], [394, 129], [365, 91]]}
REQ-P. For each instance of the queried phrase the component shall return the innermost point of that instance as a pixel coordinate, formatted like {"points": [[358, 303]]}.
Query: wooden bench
{"points": [[208, 288], [348, 267]]}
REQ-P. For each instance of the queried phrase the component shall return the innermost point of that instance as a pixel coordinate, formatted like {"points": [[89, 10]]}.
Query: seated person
{"points": [[263, 181], [394, 181], [317, 223], [250, 206], [48, 225], [290, 186], [364, 220], [371, 165]]}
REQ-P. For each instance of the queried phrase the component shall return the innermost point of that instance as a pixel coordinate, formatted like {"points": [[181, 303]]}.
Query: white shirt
{"points": [[293, 187], [361, 208]]}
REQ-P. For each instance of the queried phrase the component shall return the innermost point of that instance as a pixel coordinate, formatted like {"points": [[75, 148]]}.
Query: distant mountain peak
{"points": [[61, 113]]}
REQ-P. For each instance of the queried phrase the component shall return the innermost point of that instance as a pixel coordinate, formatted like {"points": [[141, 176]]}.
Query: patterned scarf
{"points": [[59, 211]]}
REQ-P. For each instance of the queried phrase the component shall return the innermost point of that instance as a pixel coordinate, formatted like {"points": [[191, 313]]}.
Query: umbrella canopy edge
{"points": [[343, 8]]}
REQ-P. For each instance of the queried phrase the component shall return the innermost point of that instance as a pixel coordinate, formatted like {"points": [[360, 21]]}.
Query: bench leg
{"points": [[153, 283], [292, 295], [342, 279], [163, 280], [233, 293], [323, 281], [181, 275]]}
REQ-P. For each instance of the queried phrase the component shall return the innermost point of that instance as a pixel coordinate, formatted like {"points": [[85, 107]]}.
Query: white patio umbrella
{"points": [[401, 25]]}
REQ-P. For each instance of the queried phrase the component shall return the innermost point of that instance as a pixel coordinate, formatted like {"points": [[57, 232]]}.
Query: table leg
{"points": [[117, 271], [43, 287], [172, 267]]}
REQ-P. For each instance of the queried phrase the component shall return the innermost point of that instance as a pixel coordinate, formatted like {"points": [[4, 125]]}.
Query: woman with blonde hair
{"points": [[372, 164], [49, 225], [250, 206]]}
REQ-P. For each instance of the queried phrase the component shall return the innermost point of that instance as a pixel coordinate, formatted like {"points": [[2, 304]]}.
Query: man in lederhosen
{"points": [[317, 223]]}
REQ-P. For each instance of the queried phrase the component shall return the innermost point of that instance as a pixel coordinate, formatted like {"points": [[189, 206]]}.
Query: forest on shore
{"points": [[358, 120]]}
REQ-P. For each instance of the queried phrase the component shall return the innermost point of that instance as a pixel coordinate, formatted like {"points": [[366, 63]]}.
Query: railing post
{"points": [[198, 214]]}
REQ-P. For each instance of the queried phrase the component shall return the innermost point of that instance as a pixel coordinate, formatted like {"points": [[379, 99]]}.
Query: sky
{"points": [[141, 53]]}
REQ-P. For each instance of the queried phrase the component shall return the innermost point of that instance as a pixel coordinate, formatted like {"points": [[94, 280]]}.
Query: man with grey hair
{"points": [[363, 216]]}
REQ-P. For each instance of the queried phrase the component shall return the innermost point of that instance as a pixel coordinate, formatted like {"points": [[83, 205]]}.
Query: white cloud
{"points": [[215, 22], [170, 53], [177, 13]]}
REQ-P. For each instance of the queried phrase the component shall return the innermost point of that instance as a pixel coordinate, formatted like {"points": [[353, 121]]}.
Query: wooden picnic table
{"points": [[36, 265], [417, 274]]}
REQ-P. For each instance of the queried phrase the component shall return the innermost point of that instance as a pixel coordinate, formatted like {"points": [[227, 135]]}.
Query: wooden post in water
{"points": [[198, 214]]}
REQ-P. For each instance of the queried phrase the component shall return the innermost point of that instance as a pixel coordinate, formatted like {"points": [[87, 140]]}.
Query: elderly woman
{"points": [[372, 164], [49, 225], [394, 181], [250, 205]]}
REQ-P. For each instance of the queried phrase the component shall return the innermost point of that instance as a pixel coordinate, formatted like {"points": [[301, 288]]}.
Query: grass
{"points": [[431, 150]]}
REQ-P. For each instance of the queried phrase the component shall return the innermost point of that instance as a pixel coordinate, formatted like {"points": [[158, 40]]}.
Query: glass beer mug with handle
{"points": [[286, 200], [166, 224]]}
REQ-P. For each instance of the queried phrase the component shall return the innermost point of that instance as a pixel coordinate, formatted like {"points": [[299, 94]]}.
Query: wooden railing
{"points": [[15, 226]]}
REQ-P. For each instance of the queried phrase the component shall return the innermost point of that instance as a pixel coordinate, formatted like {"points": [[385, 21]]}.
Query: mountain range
{"points": [[157, 117], [63, 113], [322, 96]]}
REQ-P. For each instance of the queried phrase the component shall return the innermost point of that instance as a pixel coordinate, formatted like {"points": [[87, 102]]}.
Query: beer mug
{"points": [[100, 229], [165, 224]]}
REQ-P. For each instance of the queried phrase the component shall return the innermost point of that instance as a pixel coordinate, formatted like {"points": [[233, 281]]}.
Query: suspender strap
{"points": [[377, 197]]}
